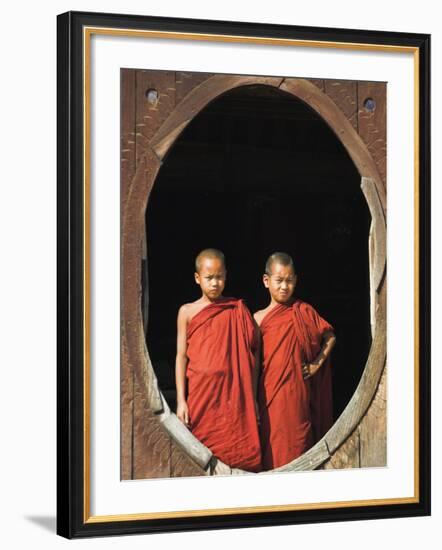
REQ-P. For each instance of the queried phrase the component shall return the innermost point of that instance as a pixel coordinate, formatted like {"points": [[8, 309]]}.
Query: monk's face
{"points": [[281, 283], [211, 277]]}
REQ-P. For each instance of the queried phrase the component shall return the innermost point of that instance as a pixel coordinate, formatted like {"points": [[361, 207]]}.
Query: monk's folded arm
{"points": [[328, 343]]}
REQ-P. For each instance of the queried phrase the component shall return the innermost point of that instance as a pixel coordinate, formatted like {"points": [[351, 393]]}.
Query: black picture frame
{"points": [[72, 393]]}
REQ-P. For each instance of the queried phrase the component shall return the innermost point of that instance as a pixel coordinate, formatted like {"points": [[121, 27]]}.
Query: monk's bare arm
{"points": [[328, 343], [181, 365]]}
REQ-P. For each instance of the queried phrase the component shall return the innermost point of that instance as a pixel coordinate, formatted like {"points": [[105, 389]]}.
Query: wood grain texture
{"points": [[347, 456], [152, 448], [181, 465], [367, 445], [345, 94], [185, 82], [310, 460], [127, 172], [377, 245], [128, 131], [185, 440], [151, 116], [318, 82], [378, 231], [126, 412], [373, 429], [132, 239], [373, 124]]}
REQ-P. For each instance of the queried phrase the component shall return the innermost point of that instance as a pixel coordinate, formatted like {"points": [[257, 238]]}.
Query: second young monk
{"points": [[216, 368], [295, 405]]}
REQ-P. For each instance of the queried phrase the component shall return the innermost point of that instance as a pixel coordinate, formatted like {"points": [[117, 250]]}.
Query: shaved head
{"points": [[279, 258], [211, 254]]}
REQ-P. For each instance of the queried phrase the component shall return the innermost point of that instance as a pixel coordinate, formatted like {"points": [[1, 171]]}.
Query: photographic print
{"points": [[279, 186], [231, 197]]}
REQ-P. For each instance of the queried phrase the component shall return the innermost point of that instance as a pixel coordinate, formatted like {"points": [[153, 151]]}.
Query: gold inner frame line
{"points": [[205, 37], [87, 33]]}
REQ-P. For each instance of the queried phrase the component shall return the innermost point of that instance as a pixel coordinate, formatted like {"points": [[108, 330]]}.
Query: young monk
{"points": [[295, 404], [216, 368]]}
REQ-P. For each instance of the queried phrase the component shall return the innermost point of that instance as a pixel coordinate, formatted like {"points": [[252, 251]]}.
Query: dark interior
{"points": [[258, 171]]}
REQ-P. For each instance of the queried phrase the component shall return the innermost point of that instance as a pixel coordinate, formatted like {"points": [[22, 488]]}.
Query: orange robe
{"points": [[221, 342], [294, 413]]}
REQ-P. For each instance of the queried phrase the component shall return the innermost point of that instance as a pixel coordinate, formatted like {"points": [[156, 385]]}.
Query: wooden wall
{"points": [[367, 445], [146, 449]]}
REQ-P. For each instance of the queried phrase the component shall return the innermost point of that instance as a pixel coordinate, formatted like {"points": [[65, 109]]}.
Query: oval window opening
{"points": [[259, 171]]}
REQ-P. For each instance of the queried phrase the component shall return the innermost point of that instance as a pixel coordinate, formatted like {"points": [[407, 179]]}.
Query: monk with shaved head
{"points": [[295, 405], [216, 368]]}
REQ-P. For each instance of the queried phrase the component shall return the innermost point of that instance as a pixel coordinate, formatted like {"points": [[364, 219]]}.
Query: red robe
{"points": [[221, 342], [294, 413]]}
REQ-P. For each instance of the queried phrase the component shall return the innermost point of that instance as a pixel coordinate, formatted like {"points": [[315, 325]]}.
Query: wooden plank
{"points": [[151, 452], [318, 82], [379, 231], [126, 412], [310, 460], [127, 171], [344, 94], [132, 236], [185, 440], [373, 123], [181, 465], [377, 245], [373, 429], [367, 445], [150, 115], [347, 456], [128, 129], [185, 82]]}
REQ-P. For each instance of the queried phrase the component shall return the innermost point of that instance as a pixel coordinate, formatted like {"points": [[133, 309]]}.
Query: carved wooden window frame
{"points": [[134, 348]]}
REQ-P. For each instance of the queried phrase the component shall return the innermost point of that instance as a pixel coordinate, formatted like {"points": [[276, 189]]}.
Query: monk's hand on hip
{"points": [[309, 370], [182, 412]]}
